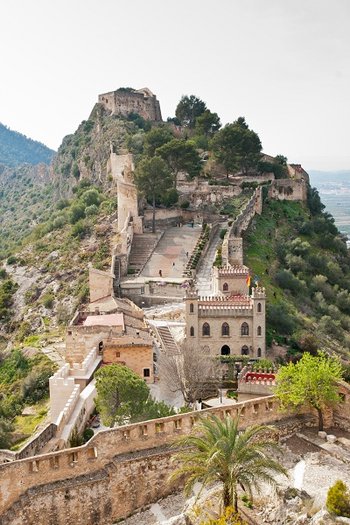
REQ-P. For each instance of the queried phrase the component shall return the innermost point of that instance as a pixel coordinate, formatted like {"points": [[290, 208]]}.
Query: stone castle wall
{"points": [[118, 470], [123, 102], [288, 190], [36, 486], [232, 246]]}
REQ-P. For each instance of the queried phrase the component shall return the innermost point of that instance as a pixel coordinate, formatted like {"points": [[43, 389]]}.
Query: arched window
{"points": [[259, 352], [225, 287], [191, 308], [244, 329], [206, 329], [259, 307], [225, 350], [245, 350], [225, 329], [259, 330], [192, 331]]}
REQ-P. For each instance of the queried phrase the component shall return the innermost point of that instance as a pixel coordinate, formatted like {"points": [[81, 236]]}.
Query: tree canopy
{"points": [[156, 138], [181, 155], [188, 109], [123, 397], [237, 147], [153, 179], [311, 382], [217, 452], [120, 394], [207, 123]]}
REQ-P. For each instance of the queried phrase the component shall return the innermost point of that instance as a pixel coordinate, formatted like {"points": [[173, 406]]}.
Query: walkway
{"points": [[169, 255], [204, 273]]}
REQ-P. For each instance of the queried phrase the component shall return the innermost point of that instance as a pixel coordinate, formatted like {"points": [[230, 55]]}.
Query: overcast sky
{"points": [[283, 64]]}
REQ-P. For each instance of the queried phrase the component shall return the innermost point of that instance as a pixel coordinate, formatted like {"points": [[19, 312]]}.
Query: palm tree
{"points": [[217, 451]]}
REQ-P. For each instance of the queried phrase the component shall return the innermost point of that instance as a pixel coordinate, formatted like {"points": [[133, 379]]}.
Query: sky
{"points": [[282, 64]]}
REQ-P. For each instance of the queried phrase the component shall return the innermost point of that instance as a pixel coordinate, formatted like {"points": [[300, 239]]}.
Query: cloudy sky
{"points": [[283, 64]]}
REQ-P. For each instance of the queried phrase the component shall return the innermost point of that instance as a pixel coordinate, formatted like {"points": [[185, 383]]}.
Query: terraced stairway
{"points": [[141, 250], [166, 339]]}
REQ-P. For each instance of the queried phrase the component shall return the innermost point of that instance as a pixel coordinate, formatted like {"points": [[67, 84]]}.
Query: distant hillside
{"points": [[16, 149]]}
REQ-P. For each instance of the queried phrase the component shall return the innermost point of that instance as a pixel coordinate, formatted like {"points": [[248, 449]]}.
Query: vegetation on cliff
{"points": [[16, 149], [300, 257], [23, 382]]}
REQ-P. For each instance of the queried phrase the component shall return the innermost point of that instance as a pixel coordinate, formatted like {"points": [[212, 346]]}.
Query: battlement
{"points": [[258, 293], [236, 270], [124, 101]]}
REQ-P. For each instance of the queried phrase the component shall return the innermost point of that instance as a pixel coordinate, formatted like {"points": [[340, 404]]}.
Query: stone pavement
{"points": [[170, 253]]}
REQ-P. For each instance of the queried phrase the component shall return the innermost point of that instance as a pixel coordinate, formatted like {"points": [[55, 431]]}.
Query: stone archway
{"points": [[225, 350]]}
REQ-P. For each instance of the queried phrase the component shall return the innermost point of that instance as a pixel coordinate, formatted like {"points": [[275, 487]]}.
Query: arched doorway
{"points": [[225, 350]]}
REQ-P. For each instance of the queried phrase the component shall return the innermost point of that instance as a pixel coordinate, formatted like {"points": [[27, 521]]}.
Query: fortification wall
{"points": [[117, 471], [124, 102], [100, 284], [232, 246], [288, 190], [75, 468]]}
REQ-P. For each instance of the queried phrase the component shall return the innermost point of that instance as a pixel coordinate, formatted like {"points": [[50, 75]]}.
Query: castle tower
{"points": [[191, 316], [258, 298]]}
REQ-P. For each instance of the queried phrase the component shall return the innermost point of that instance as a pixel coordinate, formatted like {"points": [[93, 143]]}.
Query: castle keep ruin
{"points": [[124, 101]]}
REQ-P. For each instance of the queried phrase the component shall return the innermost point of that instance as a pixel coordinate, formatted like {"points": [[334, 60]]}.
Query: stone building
{"points": [[230, 322], [124, 101]]}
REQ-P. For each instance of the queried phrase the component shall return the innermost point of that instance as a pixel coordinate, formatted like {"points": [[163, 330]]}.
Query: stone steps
{"points": [[167, 340], [142, 248]]}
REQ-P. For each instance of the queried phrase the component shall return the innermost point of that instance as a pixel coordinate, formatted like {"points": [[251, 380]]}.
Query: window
{"points": [[225, 287], [259, 308], [206, 329], [191, 308], [259, 330], [117, 354], [146, 372], [192, 331], [259, 352], [225, 350], [225, 329], [244, 329], [245, 350]]}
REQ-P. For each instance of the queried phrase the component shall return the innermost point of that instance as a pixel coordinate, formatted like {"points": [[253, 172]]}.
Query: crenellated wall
{"points": [[116, 472]]}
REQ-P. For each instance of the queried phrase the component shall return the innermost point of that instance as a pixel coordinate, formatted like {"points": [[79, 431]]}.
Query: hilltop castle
{"points": [[124, 101]]}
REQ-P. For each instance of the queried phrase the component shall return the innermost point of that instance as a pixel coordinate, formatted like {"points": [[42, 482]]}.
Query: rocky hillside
{"points": [[16, 149], [301, 258]]}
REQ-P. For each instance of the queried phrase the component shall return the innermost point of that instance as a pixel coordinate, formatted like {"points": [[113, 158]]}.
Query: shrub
{"points": [[47, 300], [223, 233], [338, 499], [185, 204], [11, 260], [90, 197], [87, 434], [91, 210], [279, 318], [80, 230], [76, 213]]}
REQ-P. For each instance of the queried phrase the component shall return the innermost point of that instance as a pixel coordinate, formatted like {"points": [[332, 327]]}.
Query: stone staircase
{"points": [[166, 339], [143, 245]]}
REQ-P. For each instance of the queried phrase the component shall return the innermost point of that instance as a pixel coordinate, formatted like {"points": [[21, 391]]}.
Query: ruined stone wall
{"points": [[100, 284], [123, 102], [288, 190]]}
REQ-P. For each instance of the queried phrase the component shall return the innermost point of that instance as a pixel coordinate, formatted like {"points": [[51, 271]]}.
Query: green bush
{"points": [[223, 233], [11, 260], [185, 204], [80, 229], [47, 300], [76, 213], [87, 434], [338, 499]]}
